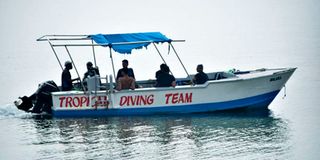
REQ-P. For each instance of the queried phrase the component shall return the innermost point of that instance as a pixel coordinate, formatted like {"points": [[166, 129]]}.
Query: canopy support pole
{"points": [[94, 54], [181, 62], [84, 89], [160, 55], [54, 51], [114, 73], [155, 46]]}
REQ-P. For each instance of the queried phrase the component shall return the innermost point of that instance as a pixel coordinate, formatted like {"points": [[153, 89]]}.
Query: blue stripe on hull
{"points": [[260, 101]]}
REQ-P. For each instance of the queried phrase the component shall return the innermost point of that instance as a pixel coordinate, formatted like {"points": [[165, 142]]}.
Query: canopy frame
{"points": [[60, 38]]}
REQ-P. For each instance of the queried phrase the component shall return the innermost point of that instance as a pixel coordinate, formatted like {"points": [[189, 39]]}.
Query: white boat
{"points": [[254, 89]]}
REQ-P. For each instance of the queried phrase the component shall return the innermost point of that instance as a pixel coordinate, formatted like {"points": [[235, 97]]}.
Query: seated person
{"points": [[164, 78], [125, 82], [162, 68], [125, 64], [200, 77], [91, 71]]}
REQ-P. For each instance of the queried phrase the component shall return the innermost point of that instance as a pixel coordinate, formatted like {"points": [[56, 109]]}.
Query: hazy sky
{"points": [[221, 34]]}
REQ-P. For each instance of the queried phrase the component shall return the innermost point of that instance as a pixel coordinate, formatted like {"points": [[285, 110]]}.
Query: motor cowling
{"points": [[40, 101]]}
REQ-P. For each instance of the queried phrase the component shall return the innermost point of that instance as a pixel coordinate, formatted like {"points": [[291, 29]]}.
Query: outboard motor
{"points": [[40, 101]]}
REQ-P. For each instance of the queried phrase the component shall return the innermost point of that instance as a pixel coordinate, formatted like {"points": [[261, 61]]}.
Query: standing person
{"points": [[125, 82], [164, 78], [200, 77], [66, 81], [125, 64]]}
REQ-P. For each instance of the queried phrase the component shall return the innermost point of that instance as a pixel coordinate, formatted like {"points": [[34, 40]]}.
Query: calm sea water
{"points": [[289, 130], [245, 34], [204, 136]]}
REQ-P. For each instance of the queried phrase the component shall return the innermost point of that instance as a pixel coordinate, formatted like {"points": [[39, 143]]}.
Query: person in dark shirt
{"points": [[200, 77], [66, 81], [91, 71], [125, 64], [164, 78], [162, 68]]}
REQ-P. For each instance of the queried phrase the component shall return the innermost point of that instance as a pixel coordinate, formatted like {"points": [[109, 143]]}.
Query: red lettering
{"points": [[61, 100], [181, 98], [150, 99], [105, 102], [101, 102], [84, 101], [123, 100], [168, 97], [178, 98], [74, 100], [143, 100], [136, 100], [175, 98], [68, 102], [95, 101], [130, 100], [188, 97]]}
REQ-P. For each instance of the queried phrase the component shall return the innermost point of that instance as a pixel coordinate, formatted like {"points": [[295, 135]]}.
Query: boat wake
{"points": [[11, 111]]}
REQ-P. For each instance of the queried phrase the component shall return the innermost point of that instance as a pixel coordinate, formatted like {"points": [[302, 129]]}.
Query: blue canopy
{"points": [[137, 40]]}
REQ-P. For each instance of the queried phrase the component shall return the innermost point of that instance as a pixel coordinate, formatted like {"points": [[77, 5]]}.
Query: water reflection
{"points": [[202, 136]]}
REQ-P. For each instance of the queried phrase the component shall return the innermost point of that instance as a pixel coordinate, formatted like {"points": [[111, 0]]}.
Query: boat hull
{"points": [[260, 101], [253, 90]]}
